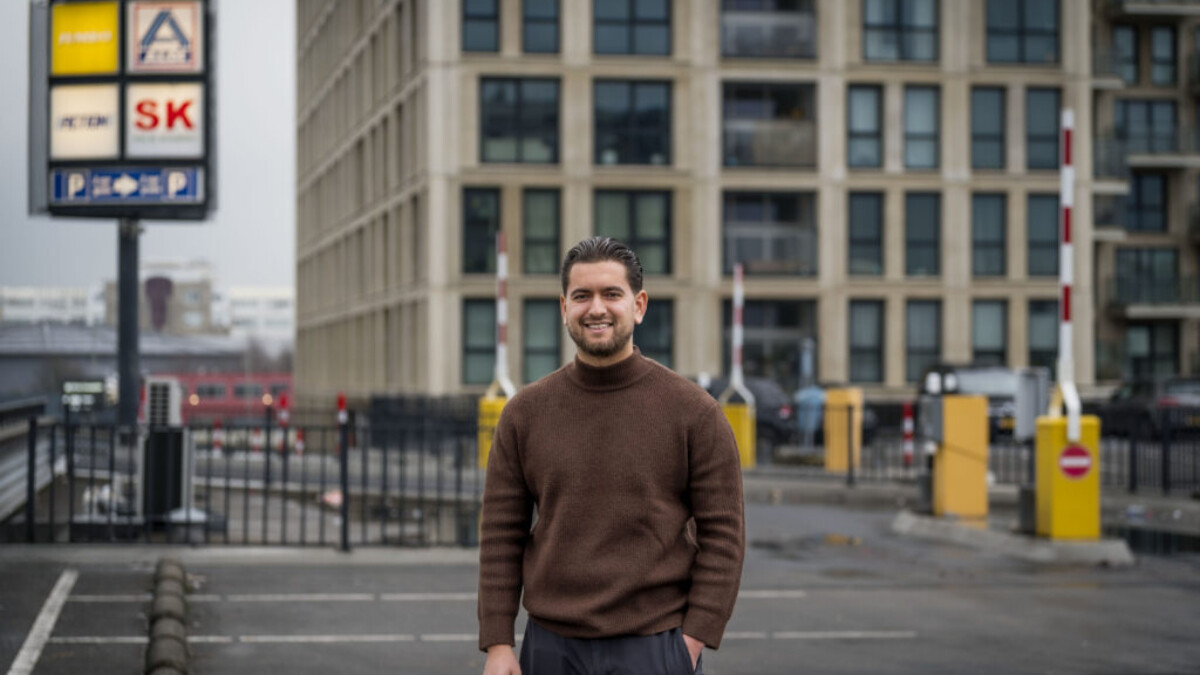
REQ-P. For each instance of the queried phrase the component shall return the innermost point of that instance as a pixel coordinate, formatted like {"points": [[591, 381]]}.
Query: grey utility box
{"points": [[1032, 400]]}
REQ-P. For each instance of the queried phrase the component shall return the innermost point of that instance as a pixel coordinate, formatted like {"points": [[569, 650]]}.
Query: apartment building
{"points": [[887, 171]]}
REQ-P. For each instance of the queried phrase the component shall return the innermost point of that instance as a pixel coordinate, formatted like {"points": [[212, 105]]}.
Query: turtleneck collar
{"points": [[607, 378]]}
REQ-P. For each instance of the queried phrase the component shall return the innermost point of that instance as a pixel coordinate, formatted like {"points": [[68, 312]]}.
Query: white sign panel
{"points": [[83, 122], [165, 37], [164, 120]]}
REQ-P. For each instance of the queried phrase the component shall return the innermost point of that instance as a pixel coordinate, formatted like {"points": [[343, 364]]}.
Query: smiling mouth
{"points": [[598, 327]]}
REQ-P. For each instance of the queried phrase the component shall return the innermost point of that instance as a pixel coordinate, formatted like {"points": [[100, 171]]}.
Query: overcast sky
{"points": [[248, 240]]}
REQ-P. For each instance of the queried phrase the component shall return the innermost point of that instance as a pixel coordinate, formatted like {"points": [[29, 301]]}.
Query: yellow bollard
{"points": [[960, 465], [489, 417], [742, 419], [843, 429], [1068, 479]]}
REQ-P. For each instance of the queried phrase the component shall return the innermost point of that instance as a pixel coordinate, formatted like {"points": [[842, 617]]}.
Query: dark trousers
{"points": [[546, 653]]}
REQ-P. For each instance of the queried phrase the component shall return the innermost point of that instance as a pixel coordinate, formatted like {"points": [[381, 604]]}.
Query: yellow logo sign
{"points": [[84, 38]]}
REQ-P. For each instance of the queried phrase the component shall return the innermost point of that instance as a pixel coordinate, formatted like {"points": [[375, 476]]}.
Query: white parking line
{"points": [[130, 597], [301, 597], [27, 658], [85, 640], [428, 597], [772, 594], [324, 639], [846, 635]]}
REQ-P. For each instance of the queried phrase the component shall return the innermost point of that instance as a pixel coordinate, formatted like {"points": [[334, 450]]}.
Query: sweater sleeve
{"points": [[504, 529], [715, 488]]}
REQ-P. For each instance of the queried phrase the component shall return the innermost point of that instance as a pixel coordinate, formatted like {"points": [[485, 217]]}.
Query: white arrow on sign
{"points": [[125, 185]]}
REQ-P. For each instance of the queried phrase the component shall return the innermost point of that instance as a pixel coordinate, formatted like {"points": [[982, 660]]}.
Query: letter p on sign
{"points": [[176, 183]]}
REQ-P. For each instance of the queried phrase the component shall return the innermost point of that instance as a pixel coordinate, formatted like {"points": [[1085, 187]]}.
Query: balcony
{"points": [[1109, 218], [1153, 8], [1177, 148], [769, 35], [1105, 71], [770, 143], [771, 249], [1151, 298]]}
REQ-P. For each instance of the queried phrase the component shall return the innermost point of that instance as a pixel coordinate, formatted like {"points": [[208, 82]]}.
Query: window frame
{"points": [[516, 128], [481, 190], [999, 137], [859, 243], [660, 308], [528, 351], [1122, 61], [529, 242], [1172, 63], [1039, 138], [493, 17], [1135, 202], [1049, 244], [902, 33], [631, 25], [632, 128], [871, 353], [975, 334], [933, 243], [805, 93], [635, 241], [468, 349], [924, 355], [806, 208], [526, 20], [852, 135], [726, 53], [1022, 33], [979, 245], [934, 137], [1036, 355]]}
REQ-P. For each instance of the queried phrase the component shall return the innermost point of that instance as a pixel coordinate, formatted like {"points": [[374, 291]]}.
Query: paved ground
{"points": [[826, 589]]}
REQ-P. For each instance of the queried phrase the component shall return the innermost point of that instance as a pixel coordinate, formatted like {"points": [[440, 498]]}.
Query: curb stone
{"points": [[167, 652]]}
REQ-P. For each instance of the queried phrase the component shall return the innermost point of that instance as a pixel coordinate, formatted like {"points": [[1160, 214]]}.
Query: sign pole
{"points": [[127, 324]]}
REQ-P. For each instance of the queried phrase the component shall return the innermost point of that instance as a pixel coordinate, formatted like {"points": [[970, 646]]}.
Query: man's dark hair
{"points": [[601, 249]]}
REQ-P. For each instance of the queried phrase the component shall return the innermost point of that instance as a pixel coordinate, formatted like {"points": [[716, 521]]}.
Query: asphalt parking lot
{"points": [[826, 589]]}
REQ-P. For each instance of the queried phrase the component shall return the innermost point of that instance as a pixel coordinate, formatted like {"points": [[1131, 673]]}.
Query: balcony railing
{"points": [[1111, 152], [1151, 291], [780, 35], [1110, 211], [1153, 7], [770, 143], [1105, 65], [768, 249], [1109, 159]]}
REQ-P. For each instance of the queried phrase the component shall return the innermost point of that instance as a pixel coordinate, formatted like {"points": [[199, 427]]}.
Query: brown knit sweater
{"points": [[616, 461]]}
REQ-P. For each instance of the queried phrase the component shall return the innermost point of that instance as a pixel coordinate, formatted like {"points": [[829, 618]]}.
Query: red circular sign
{"points": [[1075, 461]]}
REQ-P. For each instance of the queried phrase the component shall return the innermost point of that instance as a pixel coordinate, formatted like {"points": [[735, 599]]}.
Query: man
{"points": [[634, 562]]}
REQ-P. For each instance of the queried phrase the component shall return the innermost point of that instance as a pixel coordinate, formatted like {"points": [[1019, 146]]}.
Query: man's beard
{"points": [[601, 350]]}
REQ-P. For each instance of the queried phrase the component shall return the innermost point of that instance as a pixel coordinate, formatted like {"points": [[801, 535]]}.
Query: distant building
{"points": [[174, 298], [263, 312], [36, 304], [886, 170]]}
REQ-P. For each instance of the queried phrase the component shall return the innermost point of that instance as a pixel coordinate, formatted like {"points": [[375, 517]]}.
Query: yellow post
{"points": [[843, 429], [961, 463], [489, 417], [742, 419], [1068, 479]]}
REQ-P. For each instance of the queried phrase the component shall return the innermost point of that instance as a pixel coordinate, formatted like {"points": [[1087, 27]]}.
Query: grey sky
{"points": [[249, 239]]}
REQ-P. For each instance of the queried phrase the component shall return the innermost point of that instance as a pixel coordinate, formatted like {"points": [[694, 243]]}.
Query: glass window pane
{"points": [[864, 109], [479, 36], [542, 323], [650, 9], [987, 325], [611, 39], [612, 215], [541, 9], [616, 10], [651, 216], [1003, 48], [651, 39]]}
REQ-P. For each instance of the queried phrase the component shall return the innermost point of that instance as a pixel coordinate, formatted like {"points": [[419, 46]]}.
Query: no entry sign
{"points": [[1075, 461]]}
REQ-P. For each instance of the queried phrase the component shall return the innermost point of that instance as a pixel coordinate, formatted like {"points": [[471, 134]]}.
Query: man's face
{"points": [[600, 311]]}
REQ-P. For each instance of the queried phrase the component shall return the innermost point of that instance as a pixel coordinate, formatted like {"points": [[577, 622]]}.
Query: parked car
{"points": [[997, 383], [774, 422], [1147, 407]]}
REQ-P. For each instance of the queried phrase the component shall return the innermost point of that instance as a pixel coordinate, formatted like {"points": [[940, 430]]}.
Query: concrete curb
{"points": [[167, 652], [1104, 552]]}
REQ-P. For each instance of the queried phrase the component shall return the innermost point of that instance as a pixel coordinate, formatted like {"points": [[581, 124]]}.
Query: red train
{"points": [[232, 398]]}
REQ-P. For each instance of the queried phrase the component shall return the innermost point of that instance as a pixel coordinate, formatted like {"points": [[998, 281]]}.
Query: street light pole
{"points": [[127, 324]]}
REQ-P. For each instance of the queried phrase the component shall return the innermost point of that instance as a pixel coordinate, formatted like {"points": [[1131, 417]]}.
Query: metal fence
{"points": [[407, 478]]}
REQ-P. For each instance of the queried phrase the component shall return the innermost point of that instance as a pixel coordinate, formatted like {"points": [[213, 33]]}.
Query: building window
{"points": [[633, 122], [900, 30], [921, 123], [988, 235], [774, 331], [1041, 128], [519, 119], [1022, 31], [922, 337], [481, 26], [642, 220], [771, 233], [539, 28], [1146, 205], [1125, 53], [632, 27], [866, 341], [779, 29], [541, 333], [481, 222], [210, 391], [250, 391], [987, 128], [922, 234], [1151, 350], [865, 126], [1146, 275], [989, 331], [1042, 235], [769, 125], [479, 341], [1162, 56], [654, 337], [1043, 334], [1146, 125], [540, 229], [866, 233]]}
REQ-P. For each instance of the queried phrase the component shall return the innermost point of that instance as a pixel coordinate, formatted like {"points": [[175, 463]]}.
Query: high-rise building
{"points": [[886, 170]]}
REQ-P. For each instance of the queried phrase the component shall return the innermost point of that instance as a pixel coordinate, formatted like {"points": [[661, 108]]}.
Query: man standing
{"points": [[634, 562]]}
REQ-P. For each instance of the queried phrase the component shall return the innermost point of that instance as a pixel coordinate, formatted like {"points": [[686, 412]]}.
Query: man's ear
{"points": [[562, 308], [640, 302]]}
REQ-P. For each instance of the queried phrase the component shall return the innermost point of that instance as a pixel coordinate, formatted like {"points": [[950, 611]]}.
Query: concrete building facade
{"points": [[886, 170]]}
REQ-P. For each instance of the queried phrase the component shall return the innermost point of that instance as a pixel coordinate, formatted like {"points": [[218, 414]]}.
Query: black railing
{"points": [[409, 480], [1151, 291]]}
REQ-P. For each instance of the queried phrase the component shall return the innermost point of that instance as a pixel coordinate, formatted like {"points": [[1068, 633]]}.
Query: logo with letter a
{"points": [[166, 36], [164, 42]]}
